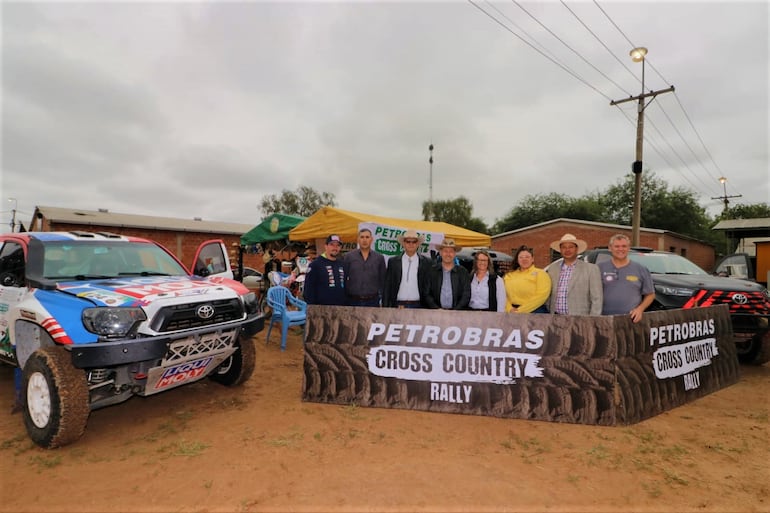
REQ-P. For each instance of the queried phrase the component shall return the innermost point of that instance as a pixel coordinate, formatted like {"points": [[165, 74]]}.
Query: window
{"points": [[12, 265]]}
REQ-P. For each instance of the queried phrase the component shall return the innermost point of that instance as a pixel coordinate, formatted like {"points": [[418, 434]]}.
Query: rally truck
{"points": [[91, 319]]}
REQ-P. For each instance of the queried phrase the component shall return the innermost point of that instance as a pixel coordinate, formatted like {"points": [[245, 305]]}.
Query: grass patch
{"points": [[289, 440], [597, 453], [11, 443], [185, 448], [47, 461], [652, 489], [352, 411], [674, 478]]}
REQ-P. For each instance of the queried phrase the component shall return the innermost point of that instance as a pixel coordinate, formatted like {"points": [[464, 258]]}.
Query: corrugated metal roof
{"points": [[580, 221], [106, 218], [743, 224]]}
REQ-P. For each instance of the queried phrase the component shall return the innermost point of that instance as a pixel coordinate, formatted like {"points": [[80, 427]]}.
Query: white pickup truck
{"points": [[91, 319]]}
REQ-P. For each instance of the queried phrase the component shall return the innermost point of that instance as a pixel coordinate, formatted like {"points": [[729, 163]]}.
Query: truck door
{"points": [[212, 260], [737, 265]]}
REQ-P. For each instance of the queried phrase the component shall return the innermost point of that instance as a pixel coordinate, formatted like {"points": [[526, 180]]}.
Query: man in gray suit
{"points": [[576, 285]]}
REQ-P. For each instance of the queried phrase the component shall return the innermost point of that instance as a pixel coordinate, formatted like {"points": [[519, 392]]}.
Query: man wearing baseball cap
{"points": [[325, 278]]}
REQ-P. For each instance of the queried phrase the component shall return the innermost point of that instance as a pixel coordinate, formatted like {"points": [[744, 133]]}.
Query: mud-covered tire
{"points": [[239, 367], [756, 351], [55, 398]]}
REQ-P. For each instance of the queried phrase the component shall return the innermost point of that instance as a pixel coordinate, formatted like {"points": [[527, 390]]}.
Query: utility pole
{"points": [[13, 213], [638, 54], [430, 184], [725, 198]]}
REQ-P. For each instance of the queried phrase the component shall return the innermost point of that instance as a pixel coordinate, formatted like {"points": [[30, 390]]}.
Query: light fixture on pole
{"points": [[725, 197], [13, 213], [639, 54]]}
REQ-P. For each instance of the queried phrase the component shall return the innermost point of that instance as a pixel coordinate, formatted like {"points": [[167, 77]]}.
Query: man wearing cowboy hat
{"points": [[449, 286], [576, 285], [406, 278]]}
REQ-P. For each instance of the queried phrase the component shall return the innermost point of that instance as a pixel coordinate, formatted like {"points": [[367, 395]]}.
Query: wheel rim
{"points": [[39, 400], [224, 368]]}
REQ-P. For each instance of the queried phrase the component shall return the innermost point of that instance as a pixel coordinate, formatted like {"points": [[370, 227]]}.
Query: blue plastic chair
{"points": [[278, 298]]}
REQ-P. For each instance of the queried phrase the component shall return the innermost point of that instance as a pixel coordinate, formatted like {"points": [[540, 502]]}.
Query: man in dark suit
{"points": [[406, 278]]}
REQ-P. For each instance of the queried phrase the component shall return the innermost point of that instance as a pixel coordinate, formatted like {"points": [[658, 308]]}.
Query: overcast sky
{"points": [[200, 109]]}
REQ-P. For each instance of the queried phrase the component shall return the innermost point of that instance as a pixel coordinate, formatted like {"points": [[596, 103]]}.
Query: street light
{"points": [[13, 213], [638, 54]]}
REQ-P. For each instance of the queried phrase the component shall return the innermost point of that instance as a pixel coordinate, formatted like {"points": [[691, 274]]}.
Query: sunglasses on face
{"points": [[410, 241]]}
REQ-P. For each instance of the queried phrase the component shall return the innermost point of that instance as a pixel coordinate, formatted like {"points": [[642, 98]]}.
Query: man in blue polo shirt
{"points": [[628, 286]]}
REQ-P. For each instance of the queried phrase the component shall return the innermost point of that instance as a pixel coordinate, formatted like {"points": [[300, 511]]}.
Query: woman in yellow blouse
{"points": [[527, 287]]}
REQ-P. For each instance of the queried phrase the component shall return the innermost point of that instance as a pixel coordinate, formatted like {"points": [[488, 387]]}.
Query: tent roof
{"points": [[273, 227], [344, 223]]}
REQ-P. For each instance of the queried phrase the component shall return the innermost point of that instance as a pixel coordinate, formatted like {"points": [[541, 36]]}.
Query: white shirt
{"points": [[480, 293], [409, 289]]}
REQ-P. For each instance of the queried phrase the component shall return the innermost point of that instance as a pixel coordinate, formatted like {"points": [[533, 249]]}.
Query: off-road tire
{"points": [[756, 351], [55, 398], [239, 367]]}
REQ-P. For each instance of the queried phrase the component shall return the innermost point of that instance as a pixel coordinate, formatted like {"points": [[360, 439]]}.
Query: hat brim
{"points": [[581, 245], [456, 248]]}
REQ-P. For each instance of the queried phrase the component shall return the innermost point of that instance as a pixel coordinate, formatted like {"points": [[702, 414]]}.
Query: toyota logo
{"points": [[207, 312], [740, 299]]}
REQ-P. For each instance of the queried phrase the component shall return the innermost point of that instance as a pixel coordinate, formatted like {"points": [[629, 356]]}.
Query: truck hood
{"points": [[142, 290], [706, 281]]}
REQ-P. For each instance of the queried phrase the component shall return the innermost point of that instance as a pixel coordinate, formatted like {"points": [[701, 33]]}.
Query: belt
{"points": [[364, 298], [407, 303]]}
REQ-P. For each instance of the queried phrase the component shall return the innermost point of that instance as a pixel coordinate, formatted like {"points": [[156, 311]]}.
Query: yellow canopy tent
{"points": [[344, 223]]}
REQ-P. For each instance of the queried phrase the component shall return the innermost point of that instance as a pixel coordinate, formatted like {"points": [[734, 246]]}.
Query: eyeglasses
{"points": [[411, 241]]}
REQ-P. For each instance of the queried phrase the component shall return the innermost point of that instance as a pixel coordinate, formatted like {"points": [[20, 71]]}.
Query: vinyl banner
{"points": [[587, 370], [385, 239]]}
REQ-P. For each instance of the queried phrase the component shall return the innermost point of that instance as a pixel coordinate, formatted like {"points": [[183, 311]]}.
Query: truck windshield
{"points": [[666, 263], [107, 259]]}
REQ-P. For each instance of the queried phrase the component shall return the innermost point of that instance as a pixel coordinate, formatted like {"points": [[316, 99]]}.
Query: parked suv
{"points": [[92, 319], [680, 283]]}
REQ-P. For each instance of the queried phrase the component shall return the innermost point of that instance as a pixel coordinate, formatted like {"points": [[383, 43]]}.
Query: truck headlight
{"points": [[250, 302], [674, 291], [112, 322]]}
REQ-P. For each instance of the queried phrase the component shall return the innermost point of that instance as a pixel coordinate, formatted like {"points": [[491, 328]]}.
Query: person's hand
{"points": [[636, 314]]}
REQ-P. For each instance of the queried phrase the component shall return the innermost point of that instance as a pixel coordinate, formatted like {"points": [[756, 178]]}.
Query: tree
{"points": [[305, 201], [539, 208], [745, 211], [458, 212], [675, 210]]}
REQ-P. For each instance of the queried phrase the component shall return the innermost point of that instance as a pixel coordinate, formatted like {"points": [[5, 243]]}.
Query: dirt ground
{"points": [[206, 448]]}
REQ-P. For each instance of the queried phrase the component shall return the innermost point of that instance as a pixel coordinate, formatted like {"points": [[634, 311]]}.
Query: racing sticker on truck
{"points": [[182, 373]]}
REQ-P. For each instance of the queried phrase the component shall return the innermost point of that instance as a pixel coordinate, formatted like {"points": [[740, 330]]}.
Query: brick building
{"points": [[540, 236], [180, 236]]}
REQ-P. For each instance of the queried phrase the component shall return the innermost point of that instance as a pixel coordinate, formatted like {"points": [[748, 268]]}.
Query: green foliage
{"points": [[539, 208], [742, 211], [305, 201], [458, 212]]}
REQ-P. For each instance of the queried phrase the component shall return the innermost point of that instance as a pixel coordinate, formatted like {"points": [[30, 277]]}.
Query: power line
{"points": [[562, 66]]}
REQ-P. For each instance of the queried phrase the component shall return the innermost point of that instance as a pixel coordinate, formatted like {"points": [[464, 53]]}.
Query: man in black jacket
{"points": [[449, 285], [406, 279]]}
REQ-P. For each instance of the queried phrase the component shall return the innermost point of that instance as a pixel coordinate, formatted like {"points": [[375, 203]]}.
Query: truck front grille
{"points": [[187, 316]]}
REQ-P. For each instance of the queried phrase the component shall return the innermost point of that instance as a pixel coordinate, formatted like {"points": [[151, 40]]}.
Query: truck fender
{"points": [[28, 338]]}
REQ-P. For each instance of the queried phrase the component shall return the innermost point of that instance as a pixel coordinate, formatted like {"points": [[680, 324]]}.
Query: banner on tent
{"points": [[588, 370], [385, 239]]}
